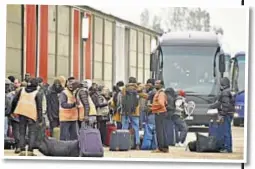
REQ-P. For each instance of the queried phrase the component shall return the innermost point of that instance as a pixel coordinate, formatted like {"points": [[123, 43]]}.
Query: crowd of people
{"points": [[68, 102]]}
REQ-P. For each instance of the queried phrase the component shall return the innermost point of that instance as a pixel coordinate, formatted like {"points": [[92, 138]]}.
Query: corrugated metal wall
{"points": [[108, 53], [98, 50], [113, 52], [13, 41], [120, 53], [52, 43]]}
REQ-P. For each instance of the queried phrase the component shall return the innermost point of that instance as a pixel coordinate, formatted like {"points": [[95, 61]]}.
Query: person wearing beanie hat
{"points": [[68, 112], [27, 104]]}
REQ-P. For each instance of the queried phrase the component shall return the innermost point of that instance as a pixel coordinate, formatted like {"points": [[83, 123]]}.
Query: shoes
{"points": [[165, 150], [137, 147], [182, 145], [17, 151]]}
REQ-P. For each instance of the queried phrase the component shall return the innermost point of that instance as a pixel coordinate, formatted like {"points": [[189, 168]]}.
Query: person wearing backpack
{"points": [[102, 108], [158, 108], [116, 104], [175, 113], [130, 109], [225, 104]]}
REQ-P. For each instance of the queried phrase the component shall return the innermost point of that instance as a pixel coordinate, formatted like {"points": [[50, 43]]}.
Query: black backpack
{"points": [[170, 105], [130, 101]]}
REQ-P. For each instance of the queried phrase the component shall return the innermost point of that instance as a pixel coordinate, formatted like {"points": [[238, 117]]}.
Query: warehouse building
{"points": [[49, 40]]}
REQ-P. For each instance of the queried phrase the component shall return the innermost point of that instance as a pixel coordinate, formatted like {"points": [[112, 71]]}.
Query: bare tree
{"points": [[198, 20], [156, 24], [145, 18], [218, 30]]}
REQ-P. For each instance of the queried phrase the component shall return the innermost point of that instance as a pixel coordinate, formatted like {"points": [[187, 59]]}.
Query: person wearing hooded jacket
{"points": [[82, 96], [225, 106], [52, 98], [101, 104], [43, 90], [27, 104], [175, 115], [130, 115]]}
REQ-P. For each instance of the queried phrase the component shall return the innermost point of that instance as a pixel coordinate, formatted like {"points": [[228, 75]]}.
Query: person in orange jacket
{"points": [[27, 104], [68, 112], [158, 108]]}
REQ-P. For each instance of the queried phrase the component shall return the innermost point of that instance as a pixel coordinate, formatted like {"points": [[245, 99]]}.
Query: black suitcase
{"points": [[120, 140]]}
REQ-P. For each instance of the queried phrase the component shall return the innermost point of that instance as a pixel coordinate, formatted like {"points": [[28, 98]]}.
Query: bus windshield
{"points": [[189, 68], [241, 76]]}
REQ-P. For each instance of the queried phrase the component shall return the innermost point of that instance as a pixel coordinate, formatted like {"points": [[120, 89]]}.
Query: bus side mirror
{"points": [[222, 65]]}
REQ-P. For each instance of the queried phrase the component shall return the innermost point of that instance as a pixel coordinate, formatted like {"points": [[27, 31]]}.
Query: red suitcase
{"points": [[109, 128]]}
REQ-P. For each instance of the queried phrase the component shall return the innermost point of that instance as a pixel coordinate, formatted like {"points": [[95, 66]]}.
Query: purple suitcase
{"points": [[90, 142]]}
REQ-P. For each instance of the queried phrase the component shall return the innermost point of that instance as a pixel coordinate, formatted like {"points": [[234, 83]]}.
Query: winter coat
{"points": [[38, 100], [225, 101], [52, 98], [83, 95], [132, 88], [171, 96]]}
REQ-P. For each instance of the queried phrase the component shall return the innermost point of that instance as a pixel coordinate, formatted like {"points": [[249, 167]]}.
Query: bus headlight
{"points": [[238, 107], [236, 115]]}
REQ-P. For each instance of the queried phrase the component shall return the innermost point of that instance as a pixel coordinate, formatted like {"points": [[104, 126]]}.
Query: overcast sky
{"points": [[234, 21]]}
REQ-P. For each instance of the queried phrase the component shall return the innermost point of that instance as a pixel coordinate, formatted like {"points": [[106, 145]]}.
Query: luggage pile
{"points": [[213, 143], [89, 144]]}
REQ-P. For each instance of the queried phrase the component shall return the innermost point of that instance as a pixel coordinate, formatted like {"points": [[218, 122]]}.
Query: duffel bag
{"points": [[52, 147]]}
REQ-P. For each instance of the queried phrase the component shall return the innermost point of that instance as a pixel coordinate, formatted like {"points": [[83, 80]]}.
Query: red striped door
{"points": [[76, 43], [43, 38], [88, 50], [30, 40]]}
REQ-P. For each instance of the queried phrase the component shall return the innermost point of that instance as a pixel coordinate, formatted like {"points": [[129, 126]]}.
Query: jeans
{"points": [[160, 121], [227, 133], [119, 125], [5, 126], [180, 126], [134, 120], [16, 133], [24, 124], [68, 130], [142, 118]]}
